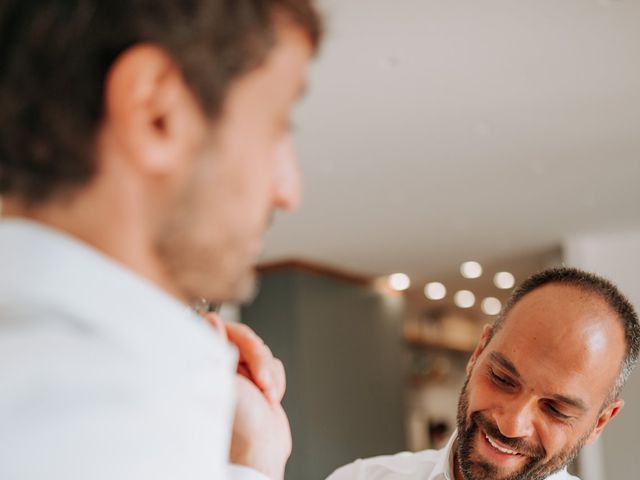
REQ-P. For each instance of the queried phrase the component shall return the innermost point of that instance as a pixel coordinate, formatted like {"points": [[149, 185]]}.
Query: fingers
{"points": [[257, 360]]}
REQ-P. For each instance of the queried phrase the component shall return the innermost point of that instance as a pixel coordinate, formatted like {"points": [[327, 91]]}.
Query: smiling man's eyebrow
{"points": [[570, 401], [506, 364]]}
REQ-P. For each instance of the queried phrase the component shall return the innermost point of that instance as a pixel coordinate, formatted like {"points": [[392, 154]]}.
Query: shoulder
{"points": [[71, 394], [401, 466]]}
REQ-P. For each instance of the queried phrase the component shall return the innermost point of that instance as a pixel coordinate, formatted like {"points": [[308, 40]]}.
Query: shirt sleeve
{"points": [[237, 472]]}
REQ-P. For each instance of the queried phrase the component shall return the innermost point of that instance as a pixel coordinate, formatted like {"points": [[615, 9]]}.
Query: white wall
{"points": [[617, 257]]}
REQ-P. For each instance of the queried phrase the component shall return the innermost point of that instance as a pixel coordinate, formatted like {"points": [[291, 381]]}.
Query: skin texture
{"points": [[557, 344]]}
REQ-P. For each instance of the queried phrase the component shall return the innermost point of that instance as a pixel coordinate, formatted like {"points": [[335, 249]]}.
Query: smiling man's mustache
{"points": [[517, 444]]}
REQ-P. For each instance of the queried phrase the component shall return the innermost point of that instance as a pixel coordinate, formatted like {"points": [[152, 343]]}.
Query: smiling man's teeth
{"points": [[499, 448]]}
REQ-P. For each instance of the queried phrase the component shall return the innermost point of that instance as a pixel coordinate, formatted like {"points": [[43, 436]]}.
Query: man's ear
{"points": [[605, 417], [150, 113], [482, 343]]}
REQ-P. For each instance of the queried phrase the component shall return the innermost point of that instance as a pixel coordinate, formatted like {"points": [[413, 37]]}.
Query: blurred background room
{"points": [[501, 133]]}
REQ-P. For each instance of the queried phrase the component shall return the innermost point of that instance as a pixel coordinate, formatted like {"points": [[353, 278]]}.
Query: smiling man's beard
{"points": [[475, 469]]}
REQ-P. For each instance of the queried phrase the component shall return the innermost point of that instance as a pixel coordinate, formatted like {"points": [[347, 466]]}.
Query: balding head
{"points": [[597, 294]]}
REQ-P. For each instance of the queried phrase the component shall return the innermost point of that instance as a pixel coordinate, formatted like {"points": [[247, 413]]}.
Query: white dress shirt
{"points": [[426, 465], [102, 374]]}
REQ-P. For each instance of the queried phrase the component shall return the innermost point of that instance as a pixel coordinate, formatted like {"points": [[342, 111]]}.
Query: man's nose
{"points": [[288, 179], [516, 419]]}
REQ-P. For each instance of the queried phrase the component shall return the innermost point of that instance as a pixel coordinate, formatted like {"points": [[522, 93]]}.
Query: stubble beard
{"points": [[199, 271], [473, 469], [201, 262]]}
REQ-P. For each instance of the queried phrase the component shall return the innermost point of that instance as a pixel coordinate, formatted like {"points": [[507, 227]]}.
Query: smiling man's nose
{"points": [[515, 420], [288, 179]]}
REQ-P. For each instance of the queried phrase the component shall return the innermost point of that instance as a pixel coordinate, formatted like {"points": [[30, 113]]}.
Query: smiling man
{"points": [[543, 381]]}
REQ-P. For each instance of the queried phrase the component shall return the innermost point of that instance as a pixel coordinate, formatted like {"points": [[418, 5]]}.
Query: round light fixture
{"points": [[471, 270], [504, 280], [464, 299], [435, 291], [399, 282], [491, 306]]}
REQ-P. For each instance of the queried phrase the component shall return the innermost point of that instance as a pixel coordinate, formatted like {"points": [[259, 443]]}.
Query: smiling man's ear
{"points": [[151, 115], [482, 343], [604, 418]]}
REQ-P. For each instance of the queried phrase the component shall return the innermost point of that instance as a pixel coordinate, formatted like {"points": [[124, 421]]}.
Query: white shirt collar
{"points": [[443, 469]]}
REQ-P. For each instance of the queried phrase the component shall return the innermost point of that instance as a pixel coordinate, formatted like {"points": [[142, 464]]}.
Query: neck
{"points": [[113, 226]]}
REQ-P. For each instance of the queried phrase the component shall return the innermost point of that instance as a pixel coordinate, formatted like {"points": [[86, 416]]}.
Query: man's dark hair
{"points": [[55, 55], [592, 284]]}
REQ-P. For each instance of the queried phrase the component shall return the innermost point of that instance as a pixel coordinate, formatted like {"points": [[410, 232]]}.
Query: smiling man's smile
{"points": [[500, 448]]}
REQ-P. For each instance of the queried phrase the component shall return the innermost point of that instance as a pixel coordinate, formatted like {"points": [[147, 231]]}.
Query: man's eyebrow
{"points": [[571, 401], [506, 364]]}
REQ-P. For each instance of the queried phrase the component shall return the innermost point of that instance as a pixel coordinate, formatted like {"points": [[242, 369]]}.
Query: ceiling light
{"points": [[471, 269], [491, 306], [399, 282], [435, 291], [504, 280], [464, 299]]}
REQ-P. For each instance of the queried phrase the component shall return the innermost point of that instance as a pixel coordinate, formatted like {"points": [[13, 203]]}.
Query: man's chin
{"points": [[240, 289], [247, 288]]}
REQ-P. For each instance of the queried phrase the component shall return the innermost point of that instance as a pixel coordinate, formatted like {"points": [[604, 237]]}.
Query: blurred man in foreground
{"points": [[543, 381], [143, 150]]}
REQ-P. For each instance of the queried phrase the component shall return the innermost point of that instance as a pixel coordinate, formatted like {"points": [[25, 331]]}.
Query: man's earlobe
{"points": [[482, 343], [604, 418]]}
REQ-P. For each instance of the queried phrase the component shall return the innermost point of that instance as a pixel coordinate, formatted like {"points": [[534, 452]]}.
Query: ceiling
{"points": [[437, 131]]}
